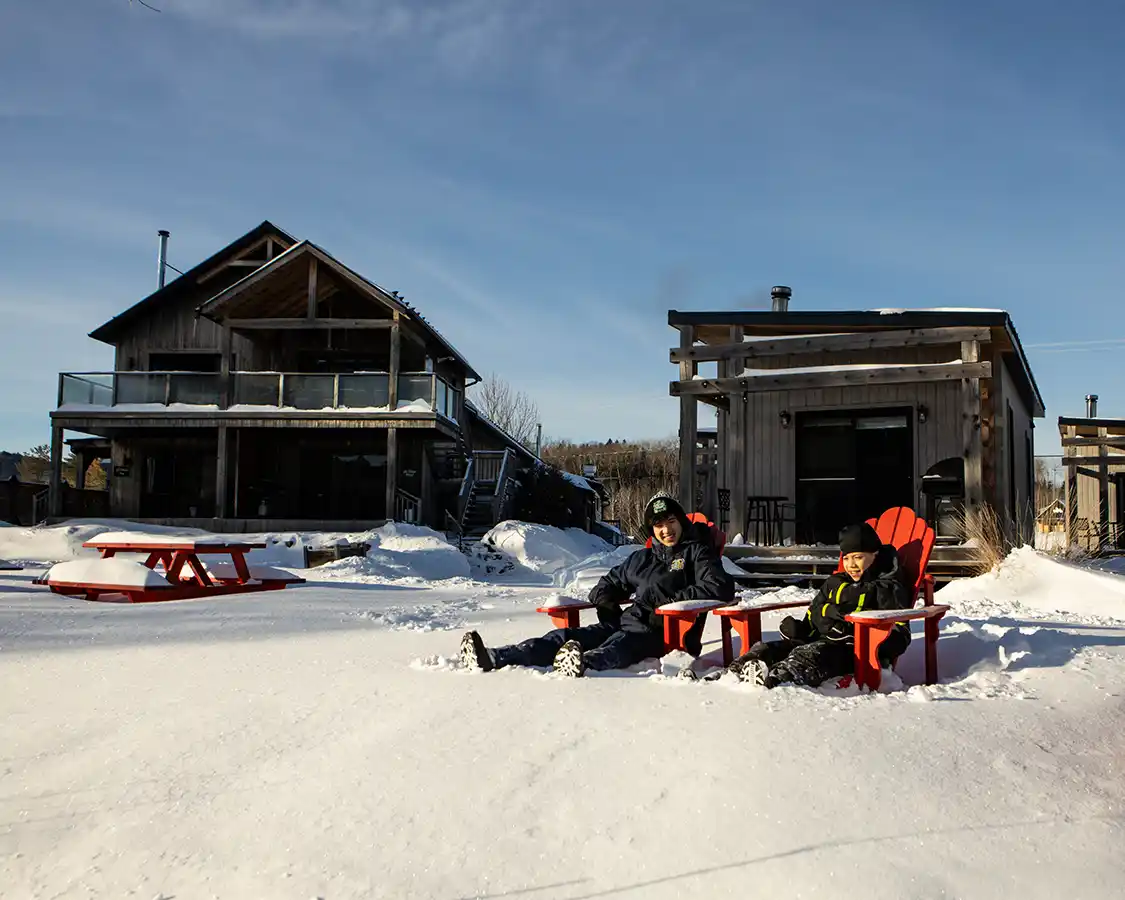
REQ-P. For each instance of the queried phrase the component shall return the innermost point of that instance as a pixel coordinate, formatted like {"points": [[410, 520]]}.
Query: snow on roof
{"points": [[895, 311]]}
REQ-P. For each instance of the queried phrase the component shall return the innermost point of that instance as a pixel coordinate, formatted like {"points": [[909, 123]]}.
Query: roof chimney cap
{"points": [[1091, 406], [780, 295]]}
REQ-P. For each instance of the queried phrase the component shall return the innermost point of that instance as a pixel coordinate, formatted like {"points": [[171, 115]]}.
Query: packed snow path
{"points": [[317, 742]]}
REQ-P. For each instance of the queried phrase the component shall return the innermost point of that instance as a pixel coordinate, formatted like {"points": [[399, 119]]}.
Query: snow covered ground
{"points": [[320, 742]]}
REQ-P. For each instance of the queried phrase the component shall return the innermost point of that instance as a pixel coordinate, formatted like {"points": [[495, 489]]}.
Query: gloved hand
{"points": [[795, 629]]}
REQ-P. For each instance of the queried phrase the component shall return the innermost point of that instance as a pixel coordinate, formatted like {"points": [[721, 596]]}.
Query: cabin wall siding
{"points": [[771, 447]]}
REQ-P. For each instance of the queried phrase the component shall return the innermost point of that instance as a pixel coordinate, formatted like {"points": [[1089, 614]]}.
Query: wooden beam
{"points": [[829, 343], [54, 488], [996, 473], [306, 324], [225, 366], [1103, 493], [396, 352], [735, 452], [1107, 441], [689, 426], [971, 422], [312, 288], [392, 471], [1110, 460], [833, 378], [221, 461], [1071, 500]]}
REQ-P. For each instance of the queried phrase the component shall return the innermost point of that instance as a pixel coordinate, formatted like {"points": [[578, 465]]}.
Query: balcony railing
{"points": [[355, 391]]}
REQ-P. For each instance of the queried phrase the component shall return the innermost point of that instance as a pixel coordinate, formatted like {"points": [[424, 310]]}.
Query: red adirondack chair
{"points": [[914, 540], [678, 617]]}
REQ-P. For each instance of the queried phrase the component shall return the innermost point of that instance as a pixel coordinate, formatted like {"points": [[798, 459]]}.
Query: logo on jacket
{"points": [[677, 564]]}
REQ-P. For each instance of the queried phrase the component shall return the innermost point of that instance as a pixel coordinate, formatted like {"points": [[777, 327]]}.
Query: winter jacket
{"points": [[880, 587], [656, 575]]}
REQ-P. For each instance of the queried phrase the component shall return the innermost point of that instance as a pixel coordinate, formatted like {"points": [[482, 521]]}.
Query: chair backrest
{"points": [[718, 538], [911, 537]]}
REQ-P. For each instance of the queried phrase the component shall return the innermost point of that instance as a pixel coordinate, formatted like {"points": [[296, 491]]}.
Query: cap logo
{"points": [[660, 506]]}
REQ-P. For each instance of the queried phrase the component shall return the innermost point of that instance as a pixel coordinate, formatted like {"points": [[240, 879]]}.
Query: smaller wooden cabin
{"points": [[822, 418], [1094, 459]]}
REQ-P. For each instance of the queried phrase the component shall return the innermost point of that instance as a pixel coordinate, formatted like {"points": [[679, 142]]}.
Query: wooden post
{"points": [[392, 471], [396, 351], [1071, 494], [237, 467], [269, 249], [221, 473], [736, 450], [426, 517], [996, 465], [225, 367], [1103, 492], [311, 313], [54, 489], [689, 426], [970, 429]]}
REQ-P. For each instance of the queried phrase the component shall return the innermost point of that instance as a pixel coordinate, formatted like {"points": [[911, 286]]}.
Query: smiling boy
{"points": [[820, 645], [681, 564]]}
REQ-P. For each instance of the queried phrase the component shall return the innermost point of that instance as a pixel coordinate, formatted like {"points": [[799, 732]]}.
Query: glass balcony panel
{"points": [[140, 387], [87, 388], [308, 391], [196, 388], [414, 388], [255, 388], [364, 391]]}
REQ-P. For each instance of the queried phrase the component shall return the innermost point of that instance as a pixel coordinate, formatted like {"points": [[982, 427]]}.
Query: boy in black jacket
{"points": [[681, 564], [821, 645]]}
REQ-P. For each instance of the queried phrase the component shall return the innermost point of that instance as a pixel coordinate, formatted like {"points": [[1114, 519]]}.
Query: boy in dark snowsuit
{"points": [[821, 645], [681, 564]]}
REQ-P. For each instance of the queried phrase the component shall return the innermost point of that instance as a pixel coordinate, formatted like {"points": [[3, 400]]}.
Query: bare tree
{"points": [[512, 410]]}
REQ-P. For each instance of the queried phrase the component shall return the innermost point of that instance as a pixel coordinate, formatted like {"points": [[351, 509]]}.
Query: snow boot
{"points": [[474, 655], [569, 661], [750, 671]]}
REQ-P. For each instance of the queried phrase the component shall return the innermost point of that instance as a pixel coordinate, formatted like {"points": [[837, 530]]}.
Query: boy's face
{"points": [[668, 531], [855, 564]]}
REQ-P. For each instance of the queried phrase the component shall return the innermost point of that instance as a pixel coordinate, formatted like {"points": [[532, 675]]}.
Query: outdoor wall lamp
{"points": [[923, 414], [786, 419]]}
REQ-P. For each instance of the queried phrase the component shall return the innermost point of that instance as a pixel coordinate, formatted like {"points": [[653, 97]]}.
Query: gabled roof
{"points": [[770, 323], [189, 280], [213, 308]]}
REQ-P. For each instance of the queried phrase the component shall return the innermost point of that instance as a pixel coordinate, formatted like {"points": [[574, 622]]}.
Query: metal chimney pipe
{"points": [[162, 258], [780, 295], [1091, 406]]}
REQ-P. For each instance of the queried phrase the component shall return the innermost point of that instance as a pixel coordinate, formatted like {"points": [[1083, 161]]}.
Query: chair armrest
{"points": [[738, 609], [877, 616], [683, 606]]}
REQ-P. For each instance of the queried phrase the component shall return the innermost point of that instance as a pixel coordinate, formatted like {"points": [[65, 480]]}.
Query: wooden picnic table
{"points": [[185, 575]]}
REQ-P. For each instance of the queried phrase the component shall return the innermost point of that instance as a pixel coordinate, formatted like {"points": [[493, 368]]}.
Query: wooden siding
{"points": [[771, 447]]}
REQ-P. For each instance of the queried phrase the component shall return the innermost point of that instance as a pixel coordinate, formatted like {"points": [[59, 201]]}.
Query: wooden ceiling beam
{"points": [[785, 380], [828, 343]]}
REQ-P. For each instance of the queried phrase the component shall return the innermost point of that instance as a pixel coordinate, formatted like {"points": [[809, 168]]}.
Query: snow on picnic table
{"points": [[320, 742]]}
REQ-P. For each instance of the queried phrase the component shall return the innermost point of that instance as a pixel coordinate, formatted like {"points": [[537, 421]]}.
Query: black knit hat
{"points": [[661, 506], [861, 538]]}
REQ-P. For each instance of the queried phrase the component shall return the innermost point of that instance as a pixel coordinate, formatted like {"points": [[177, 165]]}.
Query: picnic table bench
{"points": [[185, 575]]}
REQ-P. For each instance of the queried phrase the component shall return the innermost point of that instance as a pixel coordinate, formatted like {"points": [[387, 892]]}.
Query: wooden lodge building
{"points": [[1094, 459], [827, 418], [272, 387]]}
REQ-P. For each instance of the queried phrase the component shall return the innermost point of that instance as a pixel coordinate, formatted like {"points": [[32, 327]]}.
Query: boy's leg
{"points": [[894, 646], [770, 652], [814, 663], [541, 651], [623, 649]]}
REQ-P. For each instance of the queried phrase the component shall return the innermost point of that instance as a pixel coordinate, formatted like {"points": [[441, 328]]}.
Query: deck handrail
{"points": [[500, 496], [163, 387]]}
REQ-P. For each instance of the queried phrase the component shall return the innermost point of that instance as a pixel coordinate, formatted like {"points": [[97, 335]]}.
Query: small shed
{"points": [[822, 418], [1094, 459]]}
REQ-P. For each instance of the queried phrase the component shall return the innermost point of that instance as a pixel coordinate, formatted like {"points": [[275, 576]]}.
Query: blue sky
{"points": [[545, 179]]}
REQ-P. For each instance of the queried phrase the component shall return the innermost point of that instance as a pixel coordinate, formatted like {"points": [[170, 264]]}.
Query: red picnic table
{"points": [[185, 576]]}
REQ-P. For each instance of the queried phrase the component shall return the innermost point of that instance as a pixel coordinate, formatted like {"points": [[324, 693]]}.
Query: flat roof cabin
{"points": [[823, 418]]}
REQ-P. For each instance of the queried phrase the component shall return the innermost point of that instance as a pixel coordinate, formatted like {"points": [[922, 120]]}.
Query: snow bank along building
{"points": [[271, 386], [826, 418]]}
